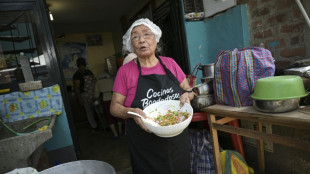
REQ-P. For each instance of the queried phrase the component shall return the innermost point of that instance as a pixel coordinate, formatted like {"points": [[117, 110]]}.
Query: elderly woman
{"points": [[135, 86]]}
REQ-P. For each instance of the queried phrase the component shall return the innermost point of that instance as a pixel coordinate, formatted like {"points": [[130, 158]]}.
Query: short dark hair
{"points": [[80, 61]]}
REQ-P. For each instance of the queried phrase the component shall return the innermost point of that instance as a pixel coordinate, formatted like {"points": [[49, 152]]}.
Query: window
{"points": [[19, 36]]}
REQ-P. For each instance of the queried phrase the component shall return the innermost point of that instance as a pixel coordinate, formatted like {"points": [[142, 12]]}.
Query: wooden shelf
{"points": [[30, 50], [14, 38], [8, 26], [4, 27]]}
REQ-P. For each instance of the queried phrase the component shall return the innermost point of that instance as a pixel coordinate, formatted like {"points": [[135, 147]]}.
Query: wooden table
{"points": [[235, 139], [219, 115]]}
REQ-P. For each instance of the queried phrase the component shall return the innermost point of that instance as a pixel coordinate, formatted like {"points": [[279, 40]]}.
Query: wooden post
{"points": [[260, 149], [215, 143]]}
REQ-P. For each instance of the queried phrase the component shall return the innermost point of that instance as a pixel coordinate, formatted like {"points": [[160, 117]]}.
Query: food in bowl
{"points": [[161, 108], [171, 118]]}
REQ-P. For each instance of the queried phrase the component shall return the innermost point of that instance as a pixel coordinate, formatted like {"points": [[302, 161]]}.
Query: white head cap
{"points": [[146, 22]]}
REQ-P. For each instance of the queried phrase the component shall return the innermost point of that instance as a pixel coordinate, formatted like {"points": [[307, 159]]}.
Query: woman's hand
{"points": [[138, 120], [185, 98], [118, 110]]}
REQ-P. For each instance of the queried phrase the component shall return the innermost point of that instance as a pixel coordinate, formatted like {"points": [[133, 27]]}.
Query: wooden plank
{"points": [[225, 120], [30, 50], [8, 26], [299, 118], [14, 38], [260, 149], [215, 144], [287, 141]]}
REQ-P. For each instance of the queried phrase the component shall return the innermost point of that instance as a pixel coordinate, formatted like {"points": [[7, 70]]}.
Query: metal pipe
{"points": [[304, 13]]}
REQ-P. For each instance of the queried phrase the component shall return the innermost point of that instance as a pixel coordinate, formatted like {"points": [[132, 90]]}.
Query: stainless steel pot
{"points": [[206, 79], [275, 106], [207, 70], [204, 88], [202, 101]]}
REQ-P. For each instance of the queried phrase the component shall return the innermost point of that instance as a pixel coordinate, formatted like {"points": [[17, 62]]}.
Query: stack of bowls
{"points": [[207, 70], [204, 91], [278, 94]]}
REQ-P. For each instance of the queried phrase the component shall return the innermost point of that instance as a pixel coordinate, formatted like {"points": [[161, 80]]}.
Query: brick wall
{"points": [[281, 28]]}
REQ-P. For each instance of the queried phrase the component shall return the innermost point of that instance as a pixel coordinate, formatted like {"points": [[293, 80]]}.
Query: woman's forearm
{"points": [[119, 110], [185, 86]]}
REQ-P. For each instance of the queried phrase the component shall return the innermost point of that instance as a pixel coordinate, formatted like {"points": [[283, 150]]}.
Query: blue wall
{"points": [[226, 31], [61, 134]]}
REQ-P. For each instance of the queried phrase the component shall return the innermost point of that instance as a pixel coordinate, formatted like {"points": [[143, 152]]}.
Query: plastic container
{"points": [[279, 88], [81, 167], [162, 107]]}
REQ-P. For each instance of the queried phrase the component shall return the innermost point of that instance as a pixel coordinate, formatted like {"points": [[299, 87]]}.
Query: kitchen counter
{"points": [[219, 115]]}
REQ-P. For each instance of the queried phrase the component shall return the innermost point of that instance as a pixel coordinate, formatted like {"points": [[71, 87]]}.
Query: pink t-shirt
{"points": [[126, 79]]}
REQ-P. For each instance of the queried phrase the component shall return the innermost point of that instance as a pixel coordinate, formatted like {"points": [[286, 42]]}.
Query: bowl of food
{"points": [[171, 118]]}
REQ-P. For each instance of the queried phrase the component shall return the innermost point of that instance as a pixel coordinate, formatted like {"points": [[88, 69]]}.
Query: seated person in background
{"points": [[129, 57], [105, 86]]}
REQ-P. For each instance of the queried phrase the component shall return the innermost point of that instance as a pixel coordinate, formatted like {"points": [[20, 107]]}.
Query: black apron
{"points": [[151, 154]]}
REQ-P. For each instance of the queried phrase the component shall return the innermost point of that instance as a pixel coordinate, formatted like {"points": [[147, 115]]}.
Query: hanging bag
{"points": [[236, 72], [201, 153]]}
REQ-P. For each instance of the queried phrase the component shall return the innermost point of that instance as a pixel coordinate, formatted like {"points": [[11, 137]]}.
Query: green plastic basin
{"points": [[279, 88]]}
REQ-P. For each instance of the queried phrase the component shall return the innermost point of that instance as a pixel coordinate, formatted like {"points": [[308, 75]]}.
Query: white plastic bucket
{"points": [[81, 167]]}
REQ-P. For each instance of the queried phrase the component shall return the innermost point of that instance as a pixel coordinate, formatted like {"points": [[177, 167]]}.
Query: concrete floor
{"points": [[100, 146]]}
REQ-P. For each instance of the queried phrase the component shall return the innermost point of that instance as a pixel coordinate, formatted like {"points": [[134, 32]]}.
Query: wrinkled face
{"points": [[143, 41]]}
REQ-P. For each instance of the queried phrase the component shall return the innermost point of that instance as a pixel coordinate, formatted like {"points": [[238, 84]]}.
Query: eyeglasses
{"points": [[136, 37]]}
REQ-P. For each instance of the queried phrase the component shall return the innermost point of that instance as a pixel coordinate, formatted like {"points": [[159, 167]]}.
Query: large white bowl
{"points": [[162, 107]]}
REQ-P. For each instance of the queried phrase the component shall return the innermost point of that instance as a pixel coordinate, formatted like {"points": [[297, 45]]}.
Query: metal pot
{"points": [[204, 88], [202, 101], [275, 106], [207, 70], [206, 79]]}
